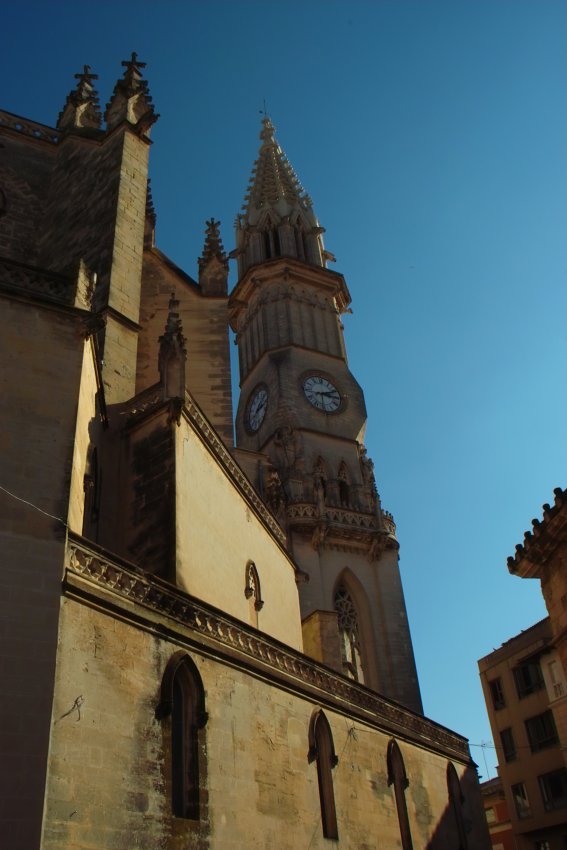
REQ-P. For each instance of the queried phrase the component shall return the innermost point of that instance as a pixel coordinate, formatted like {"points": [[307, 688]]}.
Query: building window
{"points": [[252, 592], [553, 788], [508, 745], [555, 678], [183, 699], [348, 634], [528, 678], [490, 815], [322, 750], [497, 693], [541, 731], [456, 800], [521, 801], [397, 777]]}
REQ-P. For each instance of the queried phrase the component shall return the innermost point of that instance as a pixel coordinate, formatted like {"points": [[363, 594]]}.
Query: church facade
{"points": [[205, 640]]}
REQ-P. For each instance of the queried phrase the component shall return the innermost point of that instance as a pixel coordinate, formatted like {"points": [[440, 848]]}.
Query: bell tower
{"points": [[302, 414]]}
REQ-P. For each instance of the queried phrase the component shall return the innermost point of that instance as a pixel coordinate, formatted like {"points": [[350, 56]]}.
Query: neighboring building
{"points": [[204, 645], [497, 815], [543, 555], [523, 683]]}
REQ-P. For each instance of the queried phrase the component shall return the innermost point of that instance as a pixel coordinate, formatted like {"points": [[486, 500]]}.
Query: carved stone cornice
{"points": [[29, 280], [25, 127], [542, 543], [113, 584], [342, 529], [215, 444], [328, 282]]}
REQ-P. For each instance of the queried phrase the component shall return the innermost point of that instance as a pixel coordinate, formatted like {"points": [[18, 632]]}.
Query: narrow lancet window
{"points": [[183, 699], [397, 777], [322, 750], [348, 634]]}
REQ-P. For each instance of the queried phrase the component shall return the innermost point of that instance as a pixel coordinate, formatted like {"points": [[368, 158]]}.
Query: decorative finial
{"points": [[131, 100], [172, 353], [151, 218], [213, 263], [81, 110], [133, 63]]}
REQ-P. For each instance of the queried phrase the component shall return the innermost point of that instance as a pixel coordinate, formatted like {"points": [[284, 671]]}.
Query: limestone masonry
{"points": [[205, 641]]}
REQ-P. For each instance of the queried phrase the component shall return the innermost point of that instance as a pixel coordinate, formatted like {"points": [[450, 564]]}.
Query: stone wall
{"points": [[25, 166], [109, 763], [41, 354], [205, 326]]}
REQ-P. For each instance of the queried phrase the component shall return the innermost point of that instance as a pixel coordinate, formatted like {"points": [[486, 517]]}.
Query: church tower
{"points": [[300, 423]]}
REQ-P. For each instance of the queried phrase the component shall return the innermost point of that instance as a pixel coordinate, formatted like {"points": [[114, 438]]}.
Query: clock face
{"points": [[257, 407], [321, 393]]}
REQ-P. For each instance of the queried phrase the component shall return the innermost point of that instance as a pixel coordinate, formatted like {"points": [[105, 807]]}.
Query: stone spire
{"points": [[81, 110], [213, 264], [277, 217], [172, 354], [131, 100], [273, 184], [150, 220]]}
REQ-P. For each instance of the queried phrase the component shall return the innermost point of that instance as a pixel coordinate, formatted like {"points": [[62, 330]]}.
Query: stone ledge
{"points": [[218, 634]]}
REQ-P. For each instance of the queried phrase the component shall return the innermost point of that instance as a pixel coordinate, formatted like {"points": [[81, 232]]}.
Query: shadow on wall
{"points": [[458, 814]]}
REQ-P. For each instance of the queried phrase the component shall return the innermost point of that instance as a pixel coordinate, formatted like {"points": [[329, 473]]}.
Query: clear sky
{"points": [[432, 137]]}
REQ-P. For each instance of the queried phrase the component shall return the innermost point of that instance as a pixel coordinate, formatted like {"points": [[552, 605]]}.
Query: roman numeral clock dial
{"points": [[321, 393]]}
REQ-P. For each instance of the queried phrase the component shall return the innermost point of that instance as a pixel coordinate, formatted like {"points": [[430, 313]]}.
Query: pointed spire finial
{"points": [[172, 353], [213, 263], [277, 217], [151, 218], [81, 110], [131, 100]]}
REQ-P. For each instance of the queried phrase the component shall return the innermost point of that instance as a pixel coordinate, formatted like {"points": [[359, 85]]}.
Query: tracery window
{"points": [[183, 699], [252, 592], [349, 634], [322, 750], [456, 800], [397, 777]]}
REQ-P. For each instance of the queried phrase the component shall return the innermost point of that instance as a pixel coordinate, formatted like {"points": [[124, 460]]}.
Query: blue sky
{"points": [[432, 137]]}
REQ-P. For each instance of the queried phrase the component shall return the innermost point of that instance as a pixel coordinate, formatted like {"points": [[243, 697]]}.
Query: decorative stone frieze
{"points": [[19, 277], [29, 128], [216, 632], [547, 534]]}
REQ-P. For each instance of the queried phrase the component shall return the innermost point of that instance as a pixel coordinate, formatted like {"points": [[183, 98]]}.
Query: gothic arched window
{"points": [[322, 750], [347, 619], [456, 800], [183, 699], [397, 777], [252, 592]]}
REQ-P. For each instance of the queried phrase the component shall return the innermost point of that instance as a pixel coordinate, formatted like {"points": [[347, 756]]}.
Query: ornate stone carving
{"points": [[129, 583], [29, 128], [32, 281]]}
